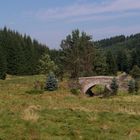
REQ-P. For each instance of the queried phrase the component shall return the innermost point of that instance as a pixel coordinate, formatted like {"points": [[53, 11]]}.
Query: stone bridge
{"points": [[89, 82]]}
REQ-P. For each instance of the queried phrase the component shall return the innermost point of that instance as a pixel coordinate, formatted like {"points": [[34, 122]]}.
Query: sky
{"points": [[50, 21]]}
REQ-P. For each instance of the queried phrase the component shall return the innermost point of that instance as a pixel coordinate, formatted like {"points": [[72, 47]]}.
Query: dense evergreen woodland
{"points": [[78, 55], [125, 50], [19, 54]]}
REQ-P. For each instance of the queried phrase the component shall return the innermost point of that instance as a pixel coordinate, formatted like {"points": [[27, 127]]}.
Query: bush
{"points": [[75, 91], [35, 91], [74, 86], [38, 85], [131, 86], [114, 86], [2, 75], [51, 83]]}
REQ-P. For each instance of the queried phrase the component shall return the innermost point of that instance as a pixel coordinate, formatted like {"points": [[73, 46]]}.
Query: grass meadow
{"points": [[59, 115]]}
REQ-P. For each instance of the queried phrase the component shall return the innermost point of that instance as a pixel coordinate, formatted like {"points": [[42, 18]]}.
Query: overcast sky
{"points": [[49, 21]]}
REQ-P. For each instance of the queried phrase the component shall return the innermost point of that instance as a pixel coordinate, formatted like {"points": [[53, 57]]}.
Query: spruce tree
{"points": [[99, 63], [22, 53], [111, 64], [131, 86], [114, 86], [51, 83], [122, 61]]}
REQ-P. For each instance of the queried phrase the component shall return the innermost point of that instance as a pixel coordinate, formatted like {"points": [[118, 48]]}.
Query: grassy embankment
{"points": [[60, 115]]}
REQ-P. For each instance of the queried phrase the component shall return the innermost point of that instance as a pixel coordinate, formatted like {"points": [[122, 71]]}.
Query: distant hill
{"points": [[125, 49], [120, 42]]}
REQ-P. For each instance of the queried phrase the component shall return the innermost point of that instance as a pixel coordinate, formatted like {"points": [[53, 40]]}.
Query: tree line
{"points": [[19, 54], [81, 56], [78, 55]]}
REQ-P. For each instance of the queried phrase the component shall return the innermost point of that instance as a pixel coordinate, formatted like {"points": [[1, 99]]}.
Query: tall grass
{"points": [[62, 116]]}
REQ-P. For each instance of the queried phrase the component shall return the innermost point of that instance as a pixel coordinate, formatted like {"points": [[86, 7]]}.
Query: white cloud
{"points": [[88, 10], [81, 11], [104, 17]]}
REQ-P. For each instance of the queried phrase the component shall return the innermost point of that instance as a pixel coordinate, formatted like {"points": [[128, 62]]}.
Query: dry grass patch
{"points": [[133, 132], [31, 113]]}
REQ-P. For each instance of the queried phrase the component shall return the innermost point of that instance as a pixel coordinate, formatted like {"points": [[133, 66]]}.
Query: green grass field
{"points": [[60, 115]]}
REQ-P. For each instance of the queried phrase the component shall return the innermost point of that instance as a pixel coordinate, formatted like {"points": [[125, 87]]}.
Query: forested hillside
{"points": [[120, 42], [19, 54], [126, 50]]}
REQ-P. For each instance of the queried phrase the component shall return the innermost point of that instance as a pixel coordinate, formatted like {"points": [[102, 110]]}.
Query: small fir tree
{"points": [[114, 86], [46, 65], [131, 86], [51, 83]]}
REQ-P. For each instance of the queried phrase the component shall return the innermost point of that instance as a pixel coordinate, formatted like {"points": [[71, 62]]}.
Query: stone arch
{"points": [[88, 87], [88, 82]]}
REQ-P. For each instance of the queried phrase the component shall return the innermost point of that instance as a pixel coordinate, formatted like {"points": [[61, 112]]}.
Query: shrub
{"points": [[35, 91], [38, 85], [114, 86], [2, 75], [131, 86], [75, 91], [46, 65], [51, 83], [74, 86]]}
